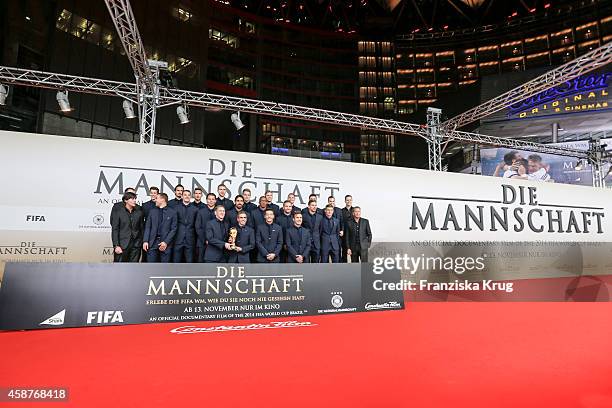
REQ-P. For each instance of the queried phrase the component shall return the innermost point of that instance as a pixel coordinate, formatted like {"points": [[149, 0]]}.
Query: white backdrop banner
{"points": [[57, 193]]}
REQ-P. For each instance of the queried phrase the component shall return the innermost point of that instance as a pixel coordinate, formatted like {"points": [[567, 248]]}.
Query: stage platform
{"points": [[428, 355]]}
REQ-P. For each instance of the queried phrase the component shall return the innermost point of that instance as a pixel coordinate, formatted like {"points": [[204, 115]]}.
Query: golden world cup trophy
{"points": [[231, 239]]}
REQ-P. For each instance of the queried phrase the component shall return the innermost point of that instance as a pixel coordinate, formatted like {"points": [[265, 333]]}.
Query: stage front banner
{"points": [[43, 296]]}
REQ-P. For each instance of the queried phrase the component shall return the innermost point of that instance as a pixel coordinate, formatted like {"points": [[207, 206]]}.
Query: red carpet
{"points": [[429, 355]]}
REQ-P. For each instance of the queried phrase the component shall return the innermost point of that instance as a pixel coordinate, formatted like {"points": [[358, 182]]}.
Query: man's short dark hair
{"points": [[509, 157], [186, 191], [535, 158], [242, 212], [238, 196], [312, 201], [286, 201], [198, 189], [312, 195], [347, 196], [356, 208], [329, 206], [128, 195], [177, 186], [210, 194], [246, 189], [269, 209], [129, 189], [154, 189], [164, 196], [296, 213], [221, 185]]}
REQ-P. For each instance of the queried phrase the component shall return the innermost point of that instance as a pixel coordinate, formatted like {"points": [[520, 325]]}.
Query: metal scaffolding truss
{"points": [[566, 72], [166, 97], [485, 140], [192, 98], [434, 139], [146, 74], [123, 17], [50, 80]]}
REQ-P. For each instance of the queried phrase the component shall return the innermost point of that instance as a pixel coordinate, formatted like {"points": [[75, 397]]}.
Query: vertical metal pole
{"points": [[555, 132], [148, 101], [434, 139]]}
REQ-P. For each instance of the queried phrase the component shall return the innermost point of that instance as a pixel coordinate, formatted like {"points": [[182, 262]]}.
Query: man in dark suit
{"points": [[347, 214], [248, 205], [298, 241], [232, 215], [285, 220], [330, 237], [269, 239], [151, 204], [314, 197], [222, 200], [245, 240], [258, 215], [331, 200], [358, 237], [126, 232], [312, 220], [160, 231], [146, 209], [119, 205], [204, 215], [291, 198], [178, 192], [274, 207], [197, 198], [184, 243], [216, 235]]}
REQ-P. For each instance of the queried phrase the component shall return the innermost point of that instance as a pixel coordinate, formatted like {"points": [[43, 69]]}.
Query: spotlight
{"points": [[128, 108], [235, 117], [62, 100], [181, 112], [3, 94]]}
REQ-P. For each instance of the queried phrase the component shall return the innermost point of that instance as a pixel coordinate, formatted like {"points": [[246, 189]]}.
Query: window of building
{"points": [[228, 39], [246, 26], [181, 13]]}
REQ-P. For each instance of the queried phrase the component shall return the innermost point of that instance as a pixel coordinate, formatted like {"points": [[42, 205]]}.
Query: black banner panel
{"points": [[38, 296]]}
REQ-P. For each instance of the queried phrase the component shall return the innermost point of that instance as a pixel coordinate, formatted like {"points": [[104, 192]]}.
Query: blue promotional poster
{"points": [[523, 164]]}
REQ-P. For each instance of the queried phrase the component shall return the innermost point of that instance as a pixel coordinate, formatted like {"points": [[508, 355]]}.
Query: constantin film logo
{"points": [[383, 306], [254, 326]]}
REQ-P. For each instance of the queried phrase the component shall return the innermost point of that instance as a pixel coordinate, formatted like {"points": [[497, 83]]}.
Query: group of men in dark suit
{"points": [[221, 230]]}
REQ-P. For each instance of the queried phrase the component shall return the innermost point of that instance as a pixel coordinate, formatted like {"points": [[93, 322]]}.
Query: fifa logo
{"points": [[103, 317], [35, 218]]}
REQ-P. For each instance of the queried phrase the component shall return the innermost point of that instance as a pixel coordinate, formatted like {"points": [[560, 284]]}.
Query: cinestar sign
{"points": [[579, 94]]}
